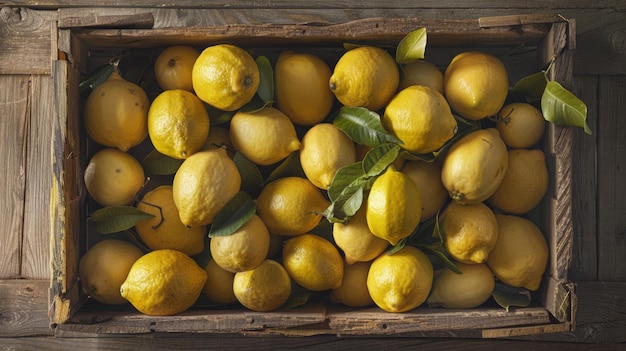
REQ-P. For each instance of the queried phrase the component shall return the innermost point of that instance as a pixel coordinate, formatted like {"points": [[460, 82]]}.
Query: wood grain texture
{"points": [[24, 308]]}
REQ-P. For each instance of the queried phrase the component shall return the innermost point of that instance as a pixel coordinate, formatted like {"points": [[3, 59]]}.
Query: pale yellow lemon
{"points": [[244, 249], [113, 177], [520, 124], [219, 284], [353, 289], [470, 289], [421, 72], [356, 240], [427, 177], [313, 262], [265, 288], [173, 67]]}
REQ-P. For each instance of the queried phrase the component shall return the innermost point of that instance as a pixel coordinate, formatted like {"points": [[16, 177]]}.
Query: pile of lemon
{"points": [[479, 187]]}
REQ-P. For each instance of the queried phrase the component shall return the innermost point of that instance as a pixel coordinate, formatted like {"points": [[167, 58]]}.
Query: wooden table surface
{"points": [[598, 266]]}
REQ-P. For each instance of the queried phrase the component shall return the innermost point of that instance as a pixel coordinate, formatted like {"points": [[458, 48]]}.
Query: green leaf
{"points": [[290, 167], [251, 178], [561, 107], [363, 126], [393, 249], [217, 116], [255, 105], [347, 203], [507, 296], [266, 83], [158, 164], [412, 47], [298, 297], [115, 219], [531, 86], [344, 176], [99, 76], [377, 159], [233, 215]]}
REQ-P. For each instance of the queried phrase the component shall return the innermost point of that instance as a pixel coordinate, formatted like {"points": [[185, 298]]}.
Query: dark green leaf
{"points": [[298, 297], [347, 203], [377, 159], [363, 126], [255, 105], [99, 76], [393, 249], [158, 164], [251, 178], [266, 83], [531, 86], [507, 296], [561, 107], [115, 219], [134, 238], [290, 167], [217, 116], [233, 215], [344, 176], [442, 255], [412, 47]]}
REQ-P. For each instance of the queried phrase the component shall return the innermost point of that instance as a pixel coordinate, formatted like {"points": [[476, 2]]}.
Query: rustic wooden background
{"points": [[598, 264]]}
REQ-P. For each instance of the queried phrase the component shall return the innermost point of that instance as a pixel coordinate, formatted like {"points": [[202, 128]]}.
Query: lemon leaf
{"points": [[233, 215], [531, 87], [507, 296], [251, 178], [345, 176], [157, 163], [561, 107], [99, 76], [362, 126], [289, 167], [393, 249], [412, 46], [266, 82], [298, 297], [113, 219], [217, 116], [379, 158], [347, 203], [440, 254]]}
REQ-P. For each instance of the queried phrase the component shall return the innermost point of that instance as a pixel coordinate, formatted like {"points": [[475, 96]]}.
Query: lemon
{"points": [[265, 136], [474, 166], [116, 113], [313, 262], [225, 76], [476, 84], [427, 177], [366, 76], [165, 230], [104, 267], [393, 206], [173, 66], [401, 281], [244, 249], [356, 240], [113, 177], [163, 282], [178, 123], [325, 149], [291, 206], [353, 289], [520, 256], [421, 118], [301, 87], [524, 184], [219, 284], [263, 289], [470, 231], [520, 124], [470, 289], [421, 72], [203, 184]]}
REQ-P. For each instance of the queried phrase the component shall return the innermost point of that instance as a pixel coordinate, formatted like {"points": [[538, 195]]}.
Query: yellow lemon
{"points": [[470, 231], [325, 149], [163, 282], [356, 240], [301, 87], [421, 118], [263, 289], [178, 123], [104, 267], [524, 184], [113, 177], [520, 124], [225, 76], [520, 256], [474, 166], [470, 289], [116, 113], [203, 184], [244, 249], [476, 84], [393, 206], [401, 281], [265, 136], [165, 230], [313, 262], [422, 72], [427, 177], [173, 66], [219, 284], [291, 206], [366, 76], [353, 289]]}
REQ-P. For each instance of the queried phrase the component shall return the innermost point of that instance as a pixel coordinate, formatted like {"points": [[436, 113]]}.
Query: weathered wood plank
{"points": [[24, 308], [15, 105], [611, 153]]}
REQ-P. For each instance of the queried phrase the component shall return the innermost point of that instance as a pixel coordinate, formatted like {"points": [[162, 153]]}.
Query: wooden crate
{"points": [[531, 41]]}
